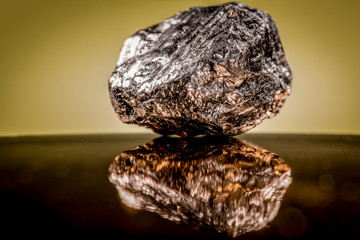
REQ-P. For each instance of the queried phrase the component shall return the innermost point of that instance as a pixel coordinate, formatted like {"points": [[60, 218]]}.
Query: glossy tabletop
{"points": [[253, 186]]}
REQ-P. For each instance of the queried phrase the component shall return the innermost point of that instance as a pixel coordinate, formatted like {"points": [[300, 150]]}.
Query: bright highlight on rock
{"points": [[218, 70]]}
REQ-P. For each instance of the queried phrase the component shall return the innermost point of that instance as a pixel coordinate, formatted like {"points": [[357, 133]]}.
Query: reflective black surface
{"points": [[59, 185], [219, 183]]}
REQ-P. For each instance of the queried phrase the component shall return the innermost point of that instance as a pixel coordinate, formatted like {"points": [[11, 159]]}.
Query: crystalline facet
{"points": [[218, 70]]}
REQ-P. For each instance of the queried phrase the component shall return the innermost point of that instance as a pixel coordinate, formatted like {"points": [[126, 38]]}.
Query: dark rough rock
{"points": [[220, 184], [218, 70]]}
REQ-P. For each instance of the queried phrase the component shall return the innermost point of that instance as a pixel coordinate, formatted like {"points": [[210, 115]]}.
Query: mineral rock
{"points": [[218, 70], [226, 185]]}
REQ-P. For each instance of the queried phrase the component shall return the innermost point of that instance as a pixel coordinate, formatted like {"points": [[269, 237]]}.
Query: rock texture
{"points": [[218, 70], [213, 183]]}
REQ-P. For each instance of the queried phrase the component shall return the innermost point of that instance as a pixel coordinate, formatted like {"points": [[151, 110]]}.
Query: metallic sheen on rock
{"points": [[218, 70], [214, 183]]}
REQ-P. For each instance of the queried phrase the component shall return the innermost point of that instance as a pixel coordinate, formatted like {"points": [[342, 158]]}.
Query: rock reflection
{"points": [[219, 183]]}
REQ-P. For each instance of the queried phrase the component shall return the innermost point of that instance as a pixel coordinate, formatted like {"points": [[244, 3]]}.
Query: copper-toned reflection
{"points": [[219, 183]]}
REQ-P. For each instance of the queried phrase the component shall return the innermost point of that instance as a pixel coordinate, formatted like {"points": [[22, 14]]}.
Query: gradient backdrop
{"points": [[56, 57]]}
